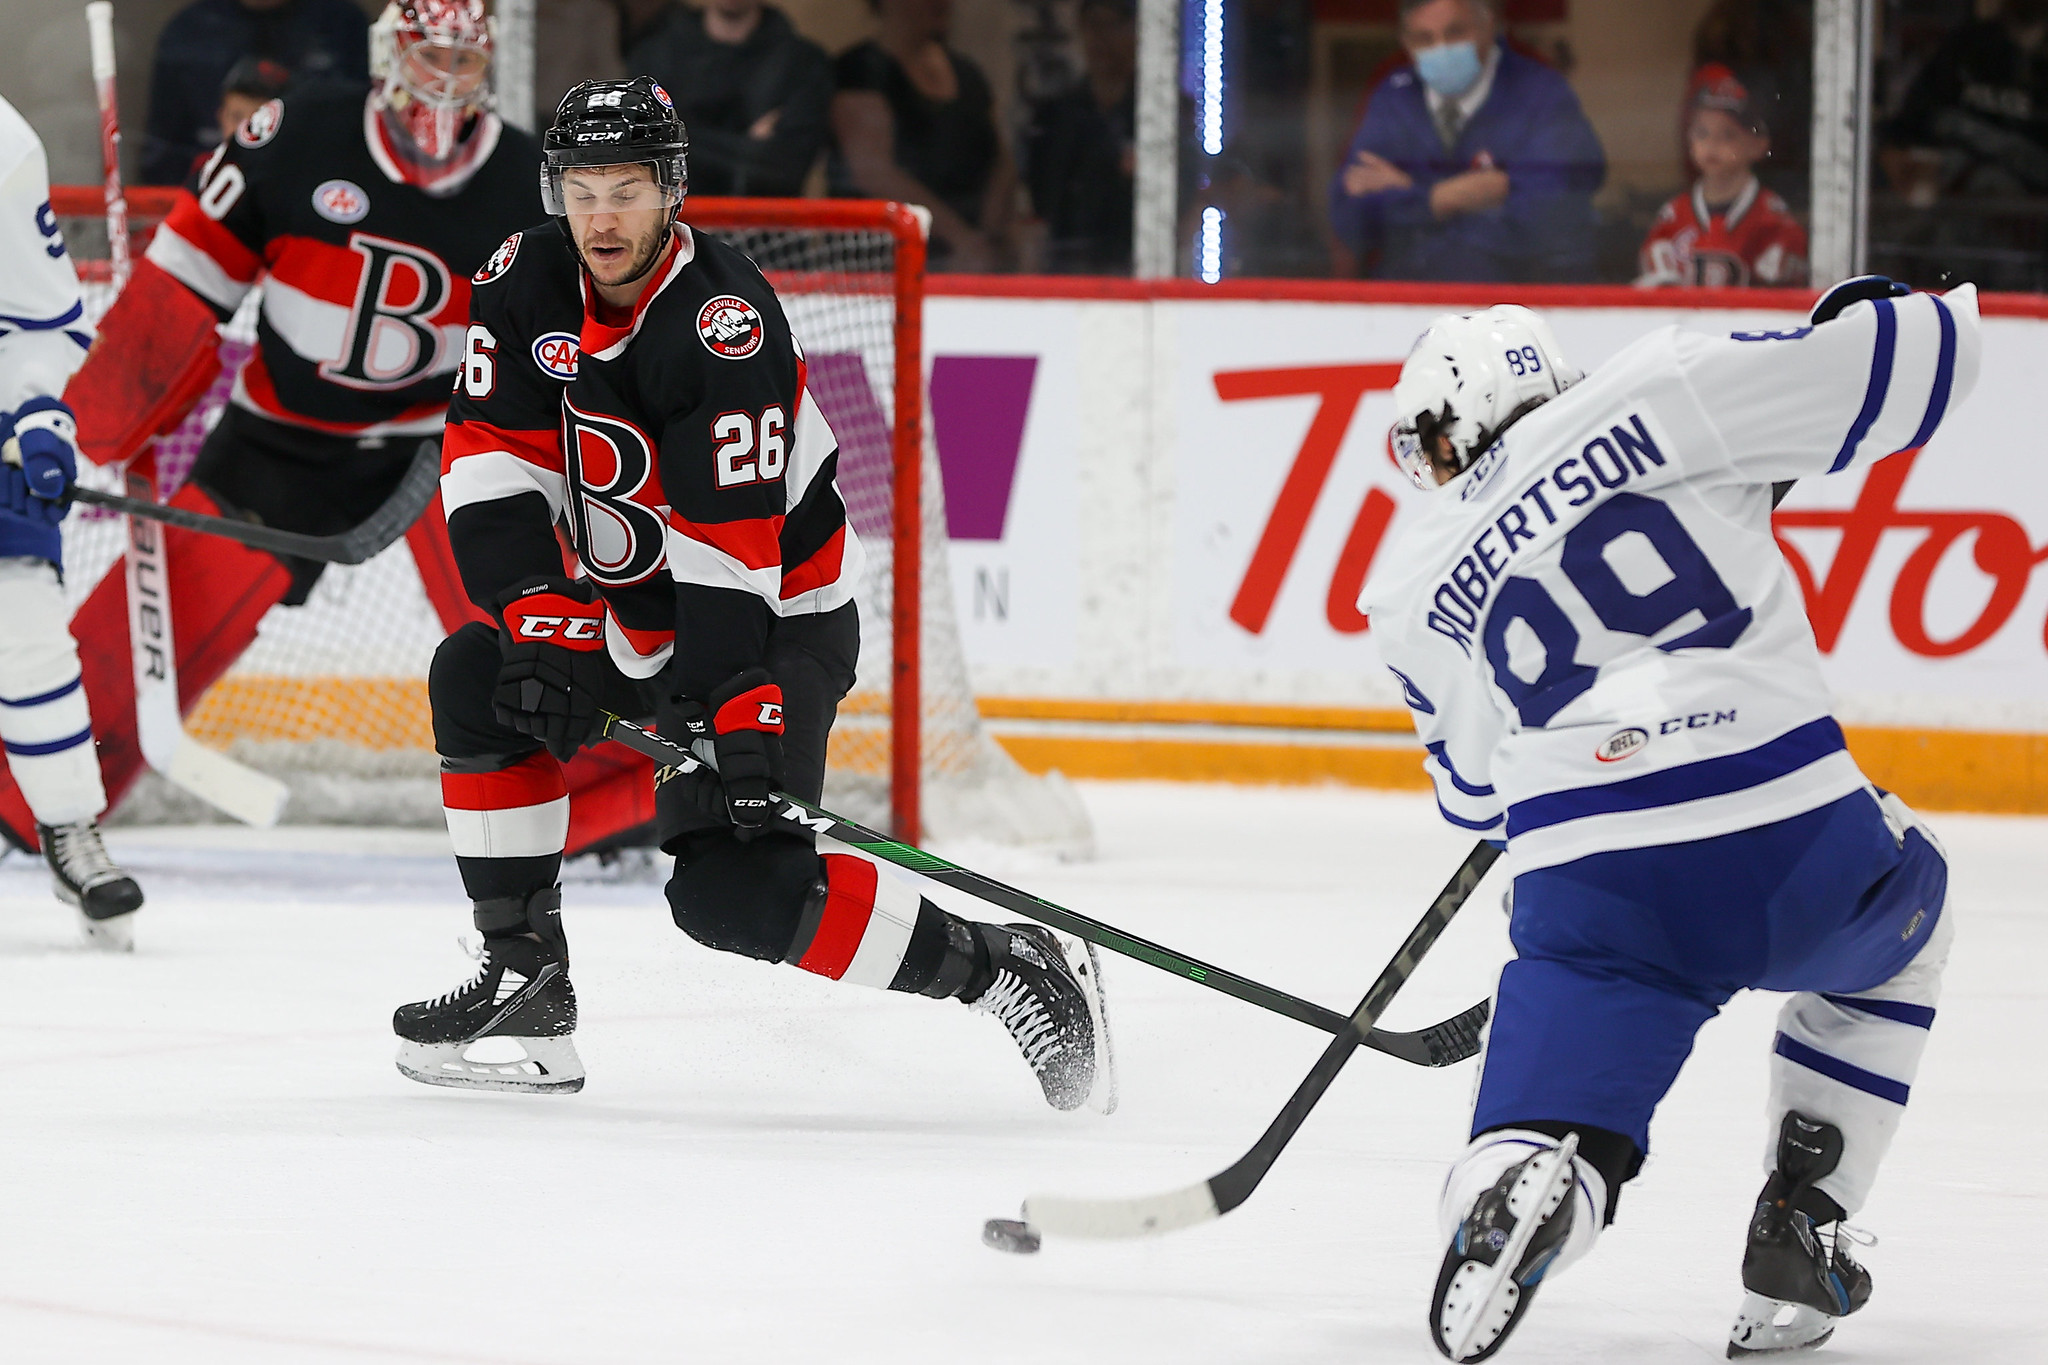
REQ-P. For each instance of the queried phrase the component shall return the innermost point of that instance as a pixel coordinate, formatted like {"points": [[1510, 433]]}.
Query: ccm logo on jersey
{"points": [[556, 354], [262, 125], [500, 262], [341, 201], [1622, 744], [730, 326]]}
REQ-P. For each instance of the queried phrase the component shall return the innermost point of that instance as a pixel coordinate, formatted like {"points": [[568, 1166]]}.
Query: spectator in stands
{"points": [[1768, 44], [754, 94], [1727, 230], [914, 120], [1977, 114], [637, 19], [1080, 150], [573, 41], [313, 39], [1474, 162], [252, 83]]}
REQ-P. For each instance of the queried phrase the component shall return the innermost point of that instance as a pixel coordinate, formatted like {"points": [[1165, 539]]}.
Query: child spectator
{"points": [[1727, 230]]}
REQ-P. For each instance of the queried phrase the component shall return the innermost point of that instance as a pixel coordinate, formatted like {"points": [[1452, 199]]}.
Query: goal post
{"points": [[332, 696]]}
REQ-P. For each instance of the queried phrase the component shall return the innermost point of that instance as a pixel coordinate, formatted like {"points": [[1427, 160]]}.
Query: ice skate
{"points": [[1797, 1271], [84, 877], [1047, 992], [1500, 1253], [506, 1028]]}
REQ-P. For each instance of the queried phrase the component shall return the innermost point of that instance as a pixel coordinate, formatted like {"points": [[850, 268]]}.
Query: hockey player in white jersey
{"points": [[1613, 674], [44, 725]]}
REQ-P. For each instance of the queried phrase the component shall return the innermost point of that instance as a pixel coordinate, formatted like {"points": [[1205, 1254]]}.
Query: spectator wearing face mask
{"points": [[1472, 163]]}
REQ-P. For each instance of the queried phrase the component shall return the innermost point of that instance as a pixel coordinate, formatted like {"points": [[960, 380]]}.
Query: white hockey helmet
{"points": [[1467, 378]]}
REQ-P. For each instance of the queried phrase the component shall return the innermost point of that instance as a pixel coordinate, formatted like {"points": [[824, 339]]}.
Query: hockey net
{"points": [[332, 697]]}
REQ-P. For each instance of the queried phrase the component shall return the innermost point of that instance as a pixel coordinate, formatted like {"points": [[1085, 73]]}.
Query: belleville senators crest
{"points": [[262, 125], [730, 327], [500, 262]]}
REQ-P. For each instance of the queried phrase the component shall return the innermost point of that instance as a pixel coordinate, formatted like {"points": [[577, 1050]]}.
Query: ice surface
{"points": [[206, 1154]]}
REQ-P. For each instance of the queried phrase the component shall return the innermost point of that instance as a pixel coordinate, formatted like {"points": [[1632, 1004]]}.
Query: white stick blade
{"points": [[1118, 1219], [99, 27], [253, 798]]}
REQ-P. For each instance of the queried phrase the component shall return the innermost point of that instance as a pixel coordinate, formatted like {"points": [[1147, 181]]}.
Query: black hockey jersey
{"points": [[695, 475], [367, 287]]}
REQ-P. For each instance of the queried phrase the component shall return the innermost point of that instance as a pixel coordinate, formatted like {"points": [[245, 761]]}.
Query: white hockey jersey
{"points": [[43, 331], [1598, 637]]}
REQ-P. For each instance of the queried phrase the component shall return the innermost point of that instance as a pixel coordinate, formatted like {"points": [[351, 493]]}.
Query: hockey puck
{"points": [[1007, 1234]]}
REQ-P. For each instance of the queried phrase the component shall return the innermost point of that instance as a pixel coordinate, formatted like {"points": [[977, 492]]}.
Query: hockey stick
{"points": [[1218, 1195], [1442, 1044], [237, 790], [377, 532]]}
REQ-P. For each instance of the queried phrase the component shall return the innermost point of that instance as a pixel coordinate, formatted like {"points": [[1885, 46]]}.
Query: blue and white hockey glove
{"points": [[1855, 290], [42, 461]]}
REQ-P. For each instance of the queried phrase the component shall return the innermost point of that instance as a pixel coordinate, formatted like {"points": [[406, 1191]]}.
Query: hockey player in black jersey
{"points": [[637, 382]]}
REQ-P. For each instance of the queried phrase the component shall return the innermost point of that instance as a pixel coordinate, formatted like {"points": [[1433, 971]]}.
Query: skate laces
{"points": [[83, 856], [477, 949], [1020, 1011]]}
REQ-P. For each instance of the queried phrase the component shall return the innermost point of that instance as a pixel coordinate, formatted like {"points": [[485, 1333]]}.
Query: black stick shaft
{"points": [[1453, 1040]]}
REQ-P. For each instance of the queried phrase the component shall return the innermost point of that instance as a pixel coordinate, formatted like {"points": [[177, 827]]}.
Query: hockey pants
{"points": [[508, 816], [1621, 956]]}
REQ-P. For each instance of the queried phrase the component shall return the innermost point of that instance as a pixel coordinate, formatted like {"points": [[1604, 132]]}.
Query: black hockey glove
{"points": [[743, 726], [551, 632], [1855, 290]]}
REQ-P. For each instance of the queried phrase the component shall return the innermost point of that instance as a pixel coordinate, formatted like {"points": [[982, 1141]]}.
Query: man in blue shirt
{"points": [[1474, 163]]}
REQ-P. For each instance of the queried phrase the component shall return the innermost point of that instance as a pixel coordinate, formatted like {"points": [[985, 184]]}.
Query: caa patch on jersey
{"points": [[341, 201], [1622, 744], [730, 326], [556, 354], [500, 262], [262, 125]]}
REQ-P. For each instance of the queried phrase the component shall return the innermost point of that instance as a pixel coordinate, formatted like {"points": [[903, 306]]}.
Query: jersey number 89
{"points": [[1692, 586]]}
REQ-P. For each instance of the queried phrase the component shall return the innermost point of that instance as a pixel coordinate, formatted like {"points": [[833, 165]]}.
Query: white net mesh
{"points": [[332, 696]]}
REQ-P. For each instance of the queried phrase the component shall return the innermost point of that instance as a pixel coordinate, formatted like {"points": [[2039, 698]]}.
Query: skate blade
{"points": [[1772, 1327], [1087, 966], [116, 935], [1482, 1299], [550, 1066]]}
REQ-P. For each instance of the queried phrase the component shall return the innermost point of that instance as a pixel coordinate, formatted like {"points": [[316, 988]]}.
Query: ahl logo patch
{"points": [[730, 326], [500, 262], [1622, 744], [262, 125], [556, 354], [341, 201]]}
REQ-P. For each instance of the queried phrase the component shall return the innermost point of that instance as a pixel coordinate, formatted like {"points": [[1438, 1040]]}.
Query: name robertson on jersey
{"points": [[1605, 463]]}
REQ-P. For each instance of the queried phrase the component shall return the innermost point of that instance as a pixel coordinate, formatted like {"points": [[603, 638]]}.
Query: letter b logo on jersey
{"points": [[391, 339], [614, 497]]}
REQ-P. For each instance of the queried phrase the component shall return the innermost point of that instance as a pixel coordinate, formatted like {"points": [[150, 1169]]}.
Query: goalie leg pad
{"points": [[158, 351], [44, 725]]}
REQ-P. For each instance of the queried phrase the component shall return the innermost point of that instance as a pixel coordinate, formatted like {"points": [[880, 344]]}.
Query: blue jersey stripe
{"points": [[52, 695], [1880, 384], [1919, 1016], [1835, 1069], [54, 746], [64, 319], [1788, 753], [1944, 378], [1462, 823], [1438, 749]]}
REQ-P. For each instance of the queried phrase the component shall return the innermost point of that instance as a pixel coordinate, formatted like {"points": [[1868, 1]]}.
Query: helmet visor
{"points": [[589, 191]]}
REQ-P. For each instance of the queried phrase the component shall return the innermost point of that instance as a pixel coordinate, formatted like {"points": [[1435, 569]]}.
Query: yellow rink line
{"points": [[1173, 741]]}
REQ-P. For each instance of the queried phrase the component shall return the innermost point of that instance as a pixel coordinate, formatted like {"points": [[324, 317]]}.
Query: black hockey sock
{"points": [[952, 960], [489, 879]]}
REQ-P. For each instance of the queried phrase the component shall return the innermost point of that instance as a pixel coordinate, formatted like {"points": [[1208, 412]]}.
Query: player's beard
{"points": [[646, 252]]}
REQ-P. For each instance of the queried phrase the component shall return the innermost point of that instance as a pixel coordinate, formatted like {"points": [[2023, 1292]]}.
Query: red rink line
{"points": [[361, 1348]]}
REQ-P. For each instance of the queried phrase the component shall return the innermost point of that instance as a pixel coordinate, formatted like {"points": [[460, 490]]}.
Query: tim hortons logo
{"points": [[500, 262], [556, 354], [1622, 744], [730, 326]]}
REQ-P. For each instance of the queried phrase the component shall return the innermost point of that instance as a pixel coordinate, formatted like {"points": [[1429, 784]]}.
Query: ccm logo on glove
{"points": [[757, 708], [542, 614]]}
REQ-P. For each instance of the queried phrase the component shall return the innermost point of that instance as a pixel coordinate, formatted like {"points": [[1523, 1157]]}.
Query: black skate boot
{"points": [[509, 1026], [1795, 1266], [1048, 993], [84, 876], [1498, 1258]]}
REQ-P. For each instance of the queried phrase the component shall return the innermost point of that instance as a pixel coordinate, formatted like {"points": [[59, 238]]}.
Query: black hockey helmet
{"points": [[611, 123]]}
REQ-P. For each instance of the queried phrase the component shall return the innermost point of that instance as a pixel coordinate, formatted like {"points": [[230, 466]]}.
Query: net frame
{"points": [[906, 226]]}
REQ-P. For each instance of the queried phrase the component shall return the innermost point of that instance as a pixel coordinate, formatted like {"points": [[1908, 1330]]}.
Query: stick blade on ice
{"points": [[1119, 1219]]}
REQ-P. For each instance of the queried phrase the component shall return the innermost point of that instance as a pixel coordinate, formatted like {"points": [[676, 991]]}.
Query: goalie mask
{"points": [[1466, 380], [431, 61]]}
